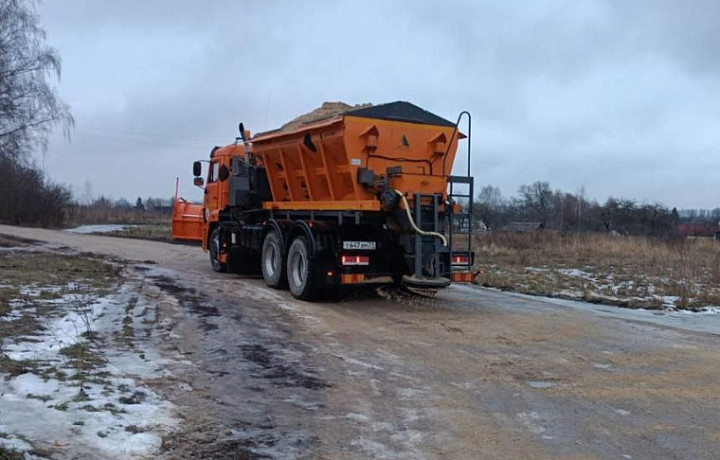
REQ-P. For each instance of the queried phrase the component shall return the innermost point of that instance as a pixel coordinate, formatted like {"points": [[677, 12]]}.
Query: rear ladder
{"points": [[464, 219], [461, 223]]}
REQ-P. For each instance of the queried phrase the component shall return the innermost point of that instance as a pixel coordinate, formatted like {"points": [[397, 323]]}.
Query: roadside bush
{"points": [[28, 198]]}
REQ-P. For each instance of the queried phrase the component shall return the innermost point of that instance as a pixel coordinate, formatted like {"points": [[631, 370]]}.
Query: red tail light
{"points": [[355, 260], [460, 260]]}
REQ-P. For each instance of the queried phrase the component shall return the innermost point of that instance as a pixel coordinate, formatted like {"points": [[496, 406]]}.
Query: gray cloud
{"points": [[619, 97]]}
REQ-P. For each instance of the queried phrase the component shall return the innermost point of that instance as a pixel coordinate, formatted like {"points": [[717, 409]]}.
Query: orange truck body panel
{"points": [[315, 167], [324, 177]]}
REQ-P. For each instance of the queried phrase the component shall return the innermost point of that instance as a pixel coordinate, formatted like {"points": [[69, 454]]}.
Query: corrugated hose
{"points": [[412, 222]]}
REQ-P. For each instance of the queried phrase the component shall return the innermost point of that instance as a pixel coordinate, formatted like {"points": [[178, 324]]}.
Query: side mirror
{"points": [[198, 182], [197, 169]]}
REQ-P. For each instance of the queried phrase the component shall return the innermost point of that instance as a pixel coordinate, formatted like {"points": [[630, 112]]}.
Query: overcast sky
{"points": [[619, 97]]}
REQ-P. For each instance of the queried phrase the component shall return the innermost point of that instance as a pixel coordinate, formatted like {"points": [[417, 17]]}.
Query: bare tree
{"points": [[537, 199], [28, 198], [29, 110], [29, 105], [489, 206]]}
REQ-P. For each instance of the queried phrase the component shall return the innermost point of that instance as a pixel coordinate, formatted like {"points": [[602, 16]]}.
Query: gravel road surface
{"points": [[474, 373]]}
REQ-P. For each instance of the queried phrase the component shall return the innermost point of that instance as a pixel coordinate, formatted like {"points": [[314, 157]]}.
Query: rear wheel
{"points": [[214, 249], [272, 261], [298, 270]]}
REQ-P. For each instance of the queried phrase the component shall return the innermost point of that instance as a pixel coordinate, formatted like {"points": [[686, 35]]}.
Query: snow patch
{"points": [[97, 412], [575, 272], [357, 417], [86, 229], [531, 421]]}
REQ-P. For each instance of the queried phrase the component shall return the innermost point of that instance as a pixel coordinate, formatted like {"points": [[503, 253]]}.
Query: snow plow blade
{"points": [[187, 221]]}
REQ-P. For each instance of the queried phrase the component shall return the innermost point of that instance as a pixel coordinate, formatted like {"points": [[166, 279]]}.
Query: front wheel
{"points": [[299, 277], [214, 249]]}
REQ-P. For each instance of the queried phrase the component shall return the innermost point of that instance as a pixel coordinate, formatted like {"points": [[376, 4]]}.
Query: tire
{"points": [[214, 249], [272, 261], [300, 281]]}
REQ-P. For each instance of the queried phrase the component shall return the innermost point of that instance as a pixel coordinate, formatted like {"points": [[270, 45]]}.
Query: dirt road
{"points": [[474, 373]]}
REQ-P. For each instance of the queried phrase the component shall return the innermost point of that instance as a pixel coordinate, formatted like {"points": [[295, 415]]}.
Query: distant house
{"points": [[463, 226], [695, 230], [523, 227]]}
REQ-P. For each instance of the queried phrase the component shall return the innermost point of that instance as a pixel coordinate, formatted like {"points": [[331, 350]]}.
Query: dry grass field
{"points": [[155, 232], [84, 215], [634, 272]]}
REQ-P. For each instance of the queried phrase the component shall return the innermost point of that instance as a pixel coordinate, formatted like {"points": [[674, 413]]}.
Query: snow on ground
{"points": [[82, 393], [575, 272], [703, 311], [99, 228]]}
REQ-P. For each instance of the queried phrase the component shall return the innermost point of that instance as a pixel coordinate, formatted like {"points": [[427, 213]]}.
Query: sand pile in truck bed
{"points": [[326, 110]]}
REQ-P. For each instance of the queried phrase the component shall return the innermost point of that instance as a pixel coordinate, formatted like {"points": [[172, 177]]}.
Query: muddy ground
{"points": [[475, 373]]}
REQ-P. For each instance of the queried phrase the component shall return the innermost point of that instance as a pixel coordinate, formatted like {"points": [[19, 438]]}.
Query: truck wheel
{"points": [[272, 261], [298, 270], [214, 249]]}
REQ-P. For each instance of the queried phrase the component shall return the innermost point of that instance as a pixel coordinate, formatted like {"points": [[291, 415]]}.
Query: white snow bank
{"points": [[98, 228]]}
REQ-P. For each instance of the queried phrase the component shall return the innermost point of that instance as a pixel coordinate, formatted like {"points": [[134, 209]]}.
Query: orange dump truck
{"points": [[362, 195]]}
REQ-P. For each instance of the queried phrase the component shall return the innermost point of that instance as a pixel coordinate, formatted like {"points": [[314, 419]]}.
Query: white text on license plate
{"points": [[360, 245]]}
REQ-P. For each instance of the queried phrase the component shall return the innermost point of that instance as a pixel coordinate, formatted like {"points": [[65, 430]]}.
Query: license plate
{"points": [[360, 245]]}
